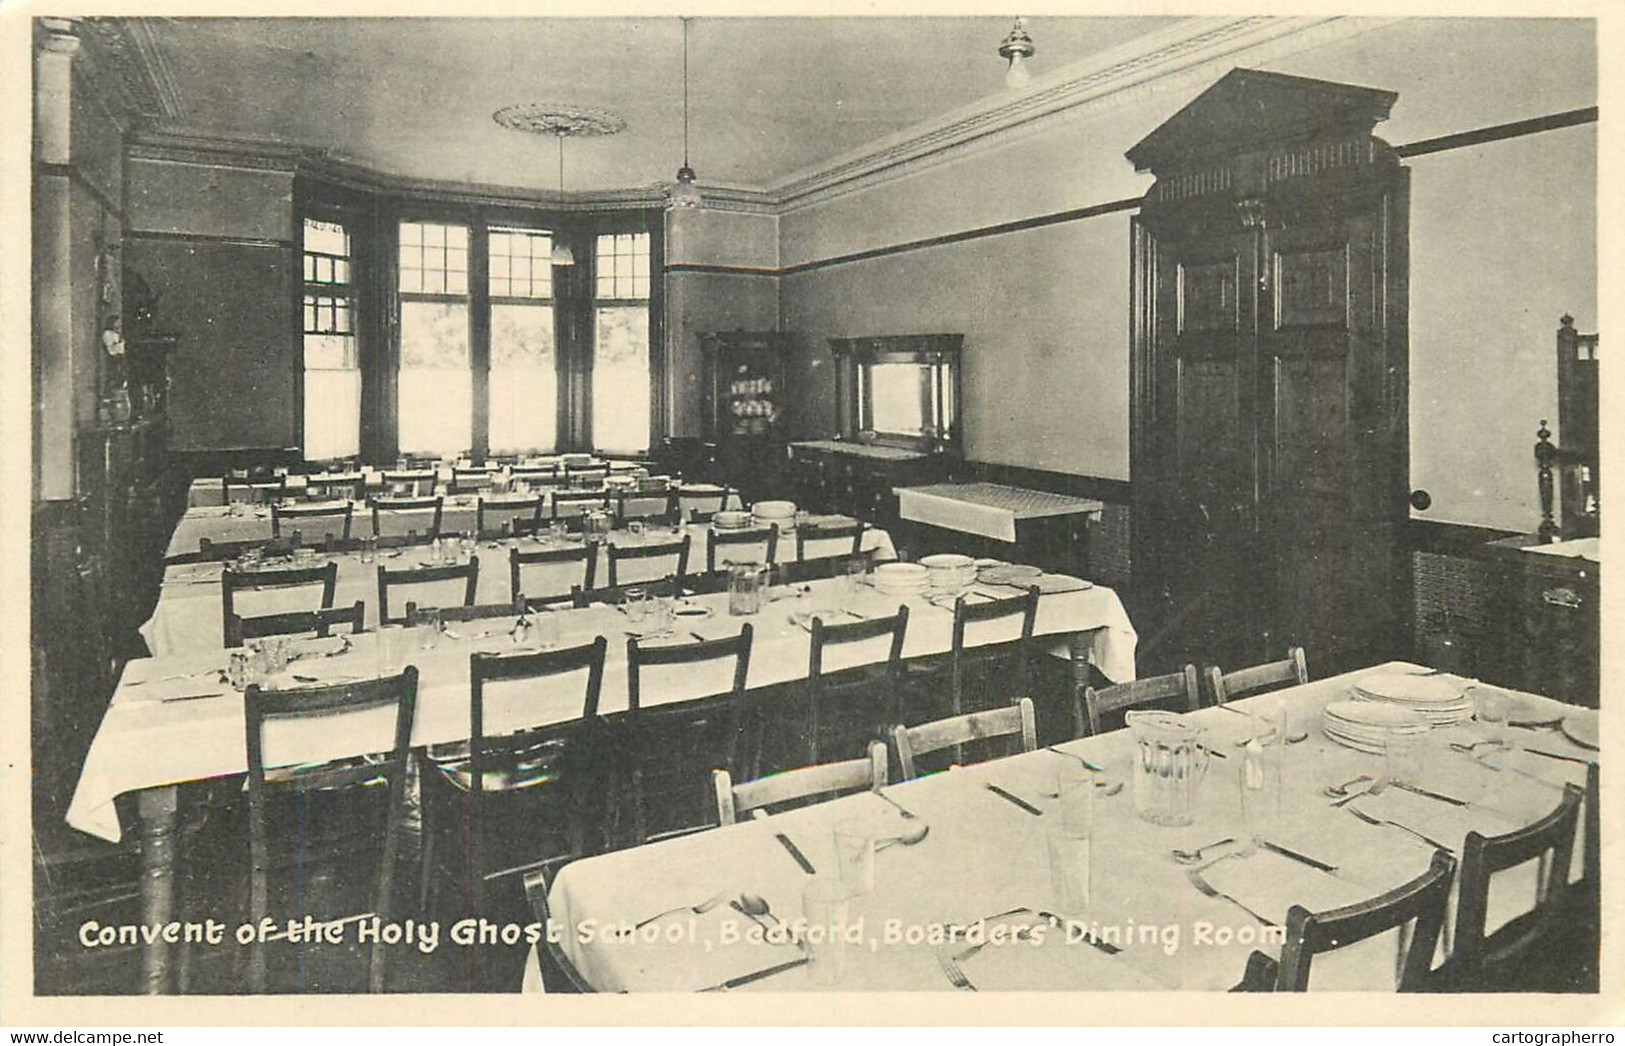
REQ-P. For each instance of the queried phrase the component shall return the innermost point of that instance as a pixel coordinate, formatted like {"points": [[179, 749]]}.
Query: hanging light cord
{"points": [[684, 91], [561, 165]]}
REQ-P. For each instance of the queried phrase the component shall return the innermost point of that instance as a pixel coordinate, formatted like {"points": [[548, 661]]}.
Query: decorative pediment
{"points": [[1250, 109]]}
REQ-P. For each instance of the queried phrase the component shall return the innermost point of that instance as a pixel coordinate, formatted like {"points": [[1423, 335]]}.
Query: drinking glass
{"points": [[1269, 721], [391, 649], [1075, 787], [1261, 787], [1402, 757], [855, 854], [660, 619], [557, 530], [635, 527], [1490, 709], [545, 630], [637, 604], [369, 548], [1070, 859], [466, 546], [240, 670], [824, 903], [426, 620], [852, 573], [803, 517]]}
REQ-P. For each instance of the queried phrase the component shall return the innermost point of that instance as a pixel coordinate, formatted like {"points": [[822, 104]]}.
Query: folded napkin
{"points": [[1267, 884]]}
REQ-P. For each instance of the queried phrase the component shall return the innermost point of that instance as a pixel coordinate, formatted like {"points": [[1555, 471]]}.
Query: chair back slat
{"points": [[822, 780], [1292, 670], [811, 540], [698, 506], [644, 504], [492, 512], [1014, 721], [340, 511], [572, 505], [1090, 708], [295, 622], [468, 573]]}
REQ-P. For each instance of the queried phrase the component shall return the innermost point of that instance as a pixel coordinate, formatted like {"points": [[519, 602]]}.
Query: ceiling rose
{"points": [[563, 121]]}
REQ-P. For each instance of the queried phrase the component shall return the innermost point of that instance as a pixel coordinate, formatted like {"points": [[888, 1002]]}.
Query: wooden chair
{"points": [[254, 491], [1419, 904], [586, 555], [878, 685], [573, 505], [584, 475], [677, 733], [1012, 660], [767, 538], [653, 505], [536, 475], [410, 483], [1090, 708], [350, 486], [698, 506], [216, 551], [914, 741], [490, 516], [475, 480], [391, 509], [410, 576], [581, 598], [234, 581], [796, 572], [303, 513], [349, 778], [1500, 961], [559, 974], [825, 780], [296, 622], [1292, 670], [506, 784], [619, 554], [829, 533]]}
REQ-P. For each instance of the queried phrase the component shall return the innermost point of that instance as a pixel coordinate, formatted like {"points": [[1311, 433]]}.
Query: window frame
{"points": [[354, 293]]}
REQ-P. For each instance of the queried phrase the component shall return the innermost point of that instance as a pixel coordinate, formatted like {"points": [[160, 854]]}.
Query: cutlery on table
{"points": [[1294, 855], [1195, 856], [1341, 791], [698, 909], [1013, 798], [1368, 819], [908, 815], [757, 908], [913, 835], [795, 852], [1087, 765], [749, 978], [1561, 758], [1091, 939], [190, 697], [1473, 747], [1419, 790], [1209, 890], [955, 975]]}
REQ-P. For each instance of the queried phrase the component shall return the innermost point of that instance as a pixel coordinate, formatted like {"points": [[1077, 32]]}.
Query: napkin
{"points": [[1268, 884]]}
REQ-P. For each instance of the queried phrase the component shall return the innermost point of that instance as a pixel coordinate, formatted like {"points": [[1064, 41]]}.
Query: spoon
{"points": [[1195, 856], [1470, 749], [757, 908], [1339, 791], [1297, 738], [915, 833]]}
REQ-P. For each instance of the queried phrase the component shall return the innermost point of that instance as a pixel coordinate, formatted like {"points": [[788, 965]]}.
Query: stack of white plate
{"points": [[768, 513], [1366, 725], [949, 572], [731, 519], [901, 579], [1442, 699]]}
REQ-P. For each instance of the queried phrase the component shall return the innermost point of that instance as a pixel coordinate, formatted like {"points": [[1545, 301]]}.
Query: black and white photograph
{"points": [[808, 506]]}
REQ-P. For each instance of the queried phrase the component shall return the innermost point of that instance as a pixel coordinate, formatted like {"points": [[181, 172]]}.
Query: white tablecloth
{"points": [[987, 509], [145, 741], [187, 616], [984, 855]]}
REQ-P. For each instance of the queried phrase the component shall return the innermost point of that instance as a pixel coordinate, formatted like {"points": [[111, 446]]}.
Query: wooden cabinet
{"points": [[857, 479], [1268, 383], [742, 398], [1547, 627]]}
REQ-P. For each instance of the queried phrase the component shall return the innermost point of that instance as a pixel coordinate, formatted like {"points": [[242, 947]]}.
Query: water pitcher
{"points": [[1169, 762]]}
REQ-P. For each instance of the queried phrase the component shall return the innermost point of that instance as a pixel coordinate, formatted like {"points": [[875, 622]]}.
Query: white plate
{"points": [[1411, 689], [1054, 584], [1374, 714], [948, 561], [1582, 730]]}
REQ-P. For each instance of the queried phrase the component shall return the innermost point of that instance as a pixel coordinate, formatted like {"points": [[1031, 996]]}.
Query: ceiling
{"points": [[413, 97]]}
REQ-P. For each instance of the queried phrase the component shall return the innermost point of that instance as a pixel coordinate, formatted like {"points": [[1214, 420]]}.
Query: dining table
{"points": [[173, 719], [187, 615], [970, 902]]}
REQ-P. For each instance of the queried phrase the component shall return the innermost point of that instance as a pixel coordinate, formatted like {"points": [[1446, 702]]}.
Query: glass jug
{"points": [[745, 584], [596, 525], [1170, 760]]}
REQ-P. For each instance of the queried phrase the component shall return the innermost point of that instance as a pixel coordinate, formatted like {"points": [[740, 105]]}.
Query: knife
{"points": [[748, 978], [1418, 790], [795, 851], [1296, 856], [1018, 800], [1554, 755]]}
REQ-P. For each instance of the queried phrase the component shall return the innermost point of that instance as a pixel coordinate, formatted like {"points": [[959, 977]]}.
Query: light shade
{"points": [[563, 256], [1016, 49], [684, 193]]}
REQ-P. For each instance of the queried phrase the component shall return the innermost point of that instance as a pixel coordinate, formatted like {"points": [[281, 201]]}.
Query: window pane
{"points": [[332, 412], [620, 380], [524, 379], [436, 386], [620, 257], [896, 391]]}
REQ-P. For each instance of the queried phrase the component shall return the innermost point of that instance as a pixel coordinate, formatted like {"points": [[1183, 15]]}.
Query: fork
{"points": [[955, 975], [1209, 890]]}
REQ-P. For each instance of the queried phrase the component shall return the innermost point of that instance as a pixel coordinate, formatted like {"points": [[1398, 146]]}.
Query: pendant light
{"points": [[563, 256], [685, 194], [1016, 49]]}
